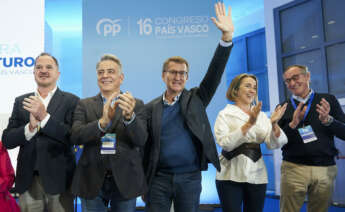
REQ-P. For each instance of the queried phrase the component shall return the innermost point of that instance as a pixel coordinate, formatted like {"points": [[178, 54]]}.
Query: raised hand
{"points": [[254, 113], [278, 113], [323, 109], [298, 115], [223, 21], [35, 106], [108, 111], [127, 104]]}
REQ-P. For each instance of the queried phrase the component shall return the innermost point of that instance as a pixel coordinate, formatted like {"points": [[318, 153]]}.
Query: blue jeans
{"points": [[109, 193], [184, 189], [233, 194]]}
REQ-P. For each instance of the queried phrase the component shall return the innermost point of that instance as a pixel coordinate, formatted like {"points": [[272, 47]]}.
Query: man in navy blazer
{"points": [[40, 126], [175, 127]]}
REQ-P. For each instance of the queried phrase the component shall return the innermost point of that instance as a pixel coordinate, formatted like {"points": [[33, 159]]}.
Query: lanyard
{"points": [[309, 105]]}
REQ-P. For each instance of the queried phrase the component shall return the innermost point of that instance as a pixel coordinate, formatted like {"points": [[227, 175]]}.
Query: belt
{"points": [[251, 150]]}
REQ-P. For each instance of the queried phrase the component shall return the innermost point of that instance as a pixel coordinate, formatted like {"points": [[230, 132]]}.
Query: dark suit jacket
{"points": [[50, 146], [126, 164], [147, 125]]}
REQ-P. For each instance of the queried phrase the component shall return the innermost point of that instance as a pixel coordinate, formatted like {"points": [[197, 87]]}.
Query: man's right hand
{"points": [[298, 115], [108, 111]]}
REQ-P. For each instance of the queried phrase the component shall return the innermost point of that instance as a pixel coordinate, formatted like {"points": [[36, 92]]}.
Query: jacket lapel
{"points": [[98, 106], [184, 98], [157, 118], [55, 102], [116, 119]]}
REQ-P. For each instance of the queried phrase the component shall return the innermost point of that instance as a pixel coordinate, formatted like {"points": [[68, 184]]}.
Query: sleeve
{"points": [[139, 106], [14, 136], [337, 127], [28, 134], [271, 141], [6, 171], [228, 137], [137, 130], [84, 132], [211, 80]]}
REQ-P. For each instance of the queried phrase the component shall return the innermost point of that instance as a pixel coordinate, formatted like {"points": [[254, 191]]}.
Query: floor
{"points": [[271, 205]]}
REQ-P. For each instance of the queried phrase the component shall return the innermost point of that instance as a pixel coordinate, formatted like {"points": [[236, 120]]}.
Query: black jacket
{"points": [[51, 146], [147, 124]]}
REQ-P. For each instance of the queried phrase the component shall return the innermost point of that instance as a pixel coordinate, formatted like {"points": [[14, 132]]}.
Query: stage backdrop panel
{"points": [[143, 34]]}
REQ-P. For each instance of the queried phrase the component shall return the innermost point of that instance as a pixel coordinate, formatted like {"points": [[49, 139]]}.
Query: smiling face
{"points": [[297, 81], [109, 77], [46, 72], [175, 77], [247, 91]]}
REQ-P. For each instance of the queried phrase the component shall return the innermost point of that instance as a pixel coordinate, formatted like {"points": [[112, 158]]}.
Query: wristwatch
{"points": [[329, 121]]}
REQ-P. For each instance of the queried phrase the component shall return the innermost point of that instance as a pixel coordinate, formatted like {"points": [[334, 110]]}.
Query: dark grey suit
{"points": [[126, 164]]}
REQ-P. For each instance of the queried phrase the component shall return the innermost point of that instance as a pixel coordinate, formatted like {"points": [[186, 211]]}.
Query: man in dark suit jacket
{"points": [[114, 174], [175, 127], [310, 122], [40, 125]]}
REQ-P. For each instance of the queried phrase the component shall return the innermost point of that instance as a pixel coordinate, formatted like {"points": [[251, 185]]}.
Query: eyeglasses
{"points": [[180, 73], [101, 72], [293, 78]]}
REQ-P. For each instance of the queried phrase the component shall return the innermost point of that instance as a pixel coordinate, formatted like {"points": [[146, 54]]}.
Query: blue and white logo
{"points": [[106, 27]]}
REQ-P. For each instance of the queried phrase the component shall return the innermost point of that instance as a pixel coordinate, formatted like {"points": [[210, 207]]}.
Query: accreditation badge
{"points": [[108, 144], [307, 134]]}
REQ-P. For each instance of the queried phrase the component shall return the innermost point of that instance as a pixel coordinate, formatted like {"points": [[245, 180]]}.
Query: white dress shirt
{"points": [[229, 136]]}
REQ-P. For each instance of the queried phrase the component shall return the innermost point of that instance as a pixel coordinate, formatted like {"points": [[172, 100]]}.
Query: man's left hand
{"points": [[127, 104], [35, 106], [323, 108]]}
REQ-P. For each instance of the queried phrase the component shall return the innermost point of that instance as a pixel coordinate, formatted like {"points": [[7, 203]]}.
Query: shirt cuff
{"points": [[45, 120], [130, 121], [28, 134], [225, 44], [106, 128]]}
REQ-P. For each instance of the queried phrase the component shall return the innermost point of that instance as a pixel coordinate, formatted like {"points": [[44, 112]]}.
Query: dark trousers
{"points": [[184, 189], [233, 194]]}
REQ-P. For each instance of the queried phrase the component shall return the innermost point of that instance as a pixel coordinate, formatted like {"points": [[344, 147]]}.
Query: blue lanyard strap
{"points": [[309, 105]]}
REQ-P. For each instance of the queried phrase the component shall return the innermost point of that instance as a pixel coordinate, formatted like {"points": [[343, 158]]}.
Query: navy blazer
{"points": [[50, 146], [147, 124]]}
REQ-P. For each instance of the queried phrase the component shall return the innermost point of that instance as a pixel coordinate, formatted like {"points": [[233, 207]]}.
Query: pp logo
{"points": [[106, 26]]}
